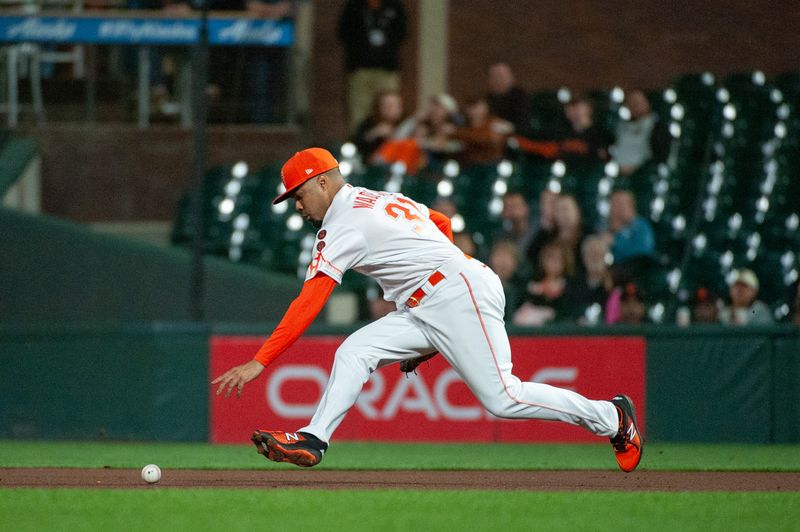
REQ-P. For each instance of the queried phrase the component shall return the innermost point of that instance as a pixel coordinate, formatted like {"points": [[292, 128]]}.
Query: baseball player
{"points": [[446, 302]]}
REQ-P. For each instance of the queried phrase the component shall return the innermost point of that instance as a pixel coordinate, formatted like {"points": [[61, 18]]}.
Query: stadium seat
{"points": [[547, 112]]}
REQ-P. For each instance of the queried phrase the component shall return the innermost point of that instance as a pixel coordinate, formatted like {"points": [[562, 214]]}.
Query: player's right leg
{"points": [[393, 338]]}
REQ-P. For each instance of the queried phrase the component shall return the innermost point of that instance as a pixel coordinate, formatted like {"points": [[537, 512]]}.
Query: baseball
{"points": [[151, 473]]}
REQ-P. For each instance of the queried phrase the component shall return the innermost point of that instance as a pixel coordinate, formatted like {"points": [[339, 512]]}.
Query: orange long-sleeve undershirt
{"points": [[298, 317], [308, 304], [442, 222]]}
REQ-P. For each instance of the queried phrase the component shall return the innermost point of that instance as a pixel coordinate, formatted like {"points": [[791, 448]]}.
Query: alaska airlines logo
{"points": [[35, 29], [265, 32]]}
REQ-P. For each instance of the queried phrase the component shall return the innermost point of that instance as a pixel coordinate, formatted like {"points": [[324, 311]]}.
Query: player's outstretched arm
{"points": [[300, 314]]}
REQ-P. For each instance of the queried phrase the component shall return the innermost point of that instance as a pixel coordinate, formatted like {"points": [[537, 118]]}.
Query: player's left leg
{"points": [[393, 338]]}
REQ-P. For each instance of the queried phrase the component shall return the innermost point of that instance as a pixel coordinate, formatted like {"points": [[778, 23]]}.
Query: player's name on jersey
{"points": [[365, 199], [133, 30]]}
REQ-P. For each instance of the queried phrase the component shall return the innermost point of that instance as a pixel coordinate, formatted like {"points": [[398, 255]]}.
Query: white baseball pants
{"points": [[462, 318]]}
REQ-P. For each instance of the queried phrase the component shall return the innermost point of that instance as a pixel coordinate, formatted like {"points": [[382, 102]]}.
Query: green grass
{"points": [[160, 508], [351, 455], [197, 510]]}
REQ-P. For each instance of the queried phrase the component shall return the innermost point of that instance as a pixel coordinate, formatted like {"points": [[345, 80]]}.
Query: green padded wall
{"points": [[151, 382], [61, 272], [144, 382], [786, 392]]}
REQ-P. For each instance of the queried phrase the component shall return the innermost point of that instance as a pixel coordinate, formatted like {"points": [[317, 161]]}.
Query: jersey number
{"points": [[396, 210], [403, 209]]}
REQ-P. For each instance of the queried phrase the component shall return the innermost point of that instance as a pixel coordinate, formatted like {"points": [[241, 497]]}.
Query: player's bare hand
{"points": [[237, 377]]}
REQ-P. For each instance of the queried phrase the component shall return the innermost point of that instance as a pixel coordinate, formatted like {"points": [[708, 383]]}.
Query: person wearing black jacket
{"points": [[372, 32], [506, 99]]}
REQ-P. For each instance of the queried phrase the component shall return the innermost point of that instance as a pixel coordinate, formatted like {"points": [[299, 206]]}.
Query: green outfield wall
{"points": [[55, 271], [137, 382], [149, 381]]}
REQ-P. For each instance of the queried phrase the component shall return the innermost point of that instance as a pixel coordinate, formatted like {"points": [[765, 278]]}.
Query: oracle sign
{"points": [[434, 404]]}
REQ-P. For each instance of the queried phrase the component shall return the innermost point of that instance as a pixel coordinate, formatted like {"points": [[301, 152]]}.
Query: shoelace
{"points": [[619, 442]]}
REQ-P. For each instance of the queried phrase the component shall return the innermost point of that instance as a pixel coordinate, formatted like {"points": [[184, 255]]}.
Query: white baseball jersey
{"points": [[388, 237]]}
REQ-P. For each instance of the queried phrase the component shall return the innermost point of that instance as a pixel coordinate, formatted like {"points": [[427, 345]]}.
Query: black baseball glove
{"points": [[410, 365]]}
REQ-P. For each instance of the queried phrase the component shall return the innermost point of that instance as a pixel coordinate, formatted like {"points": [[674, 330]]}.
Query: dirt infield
{"points": [[448, 480]]}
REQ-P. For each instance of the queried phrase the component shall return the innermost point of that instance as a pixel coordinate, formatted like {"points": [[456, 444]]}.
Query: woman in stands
{"points": [[380, 125], [544, 297]]}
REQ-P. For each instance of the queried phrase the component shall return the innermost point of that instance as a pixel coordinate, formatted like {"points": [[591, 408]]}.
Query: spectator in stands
{"points": [[569, 230], [372, 32], [425, 136], [465, 242], [445, 206], [504, 260], [484, 136], [380, 125], [594, 284], [266, 67], [165, 62], [546, 220], [625, 305], [584, 141], [631, 237], [539, 232], [506, 99], [705, 307], [516, 217], [226, 64], [745, 309], [642, 138], [544, 296], [435, 125], [632, 308]]}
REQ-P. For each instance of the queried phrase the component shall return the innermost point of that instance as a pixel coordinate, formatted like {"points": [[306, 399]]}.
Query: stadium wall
{"points": [[119, 172], [151, 381], [133, 382], [59, 272]]}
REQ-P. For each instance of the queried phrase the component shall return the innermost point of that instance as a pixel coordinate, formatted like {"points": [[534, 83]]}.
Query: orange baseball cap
{"points": [[303, 166]]}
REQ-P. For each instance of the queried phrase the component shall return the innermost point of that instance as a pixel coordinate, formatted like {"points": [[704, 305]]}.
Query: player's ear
{"points": [[322, 181]]}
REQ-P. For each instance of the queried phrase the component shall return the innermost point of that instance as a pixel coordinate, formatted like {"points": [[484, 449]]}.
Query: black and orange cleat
{"points": [[299, 448], [628, 442]]}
